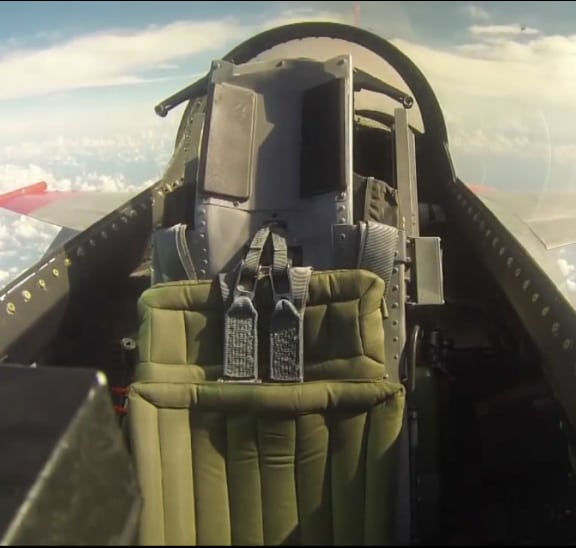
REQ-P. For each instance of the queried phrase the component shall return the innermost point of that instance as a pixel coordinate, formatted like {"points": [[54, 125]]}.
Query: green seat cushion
{"points": [[261, 464], [181, 323]]}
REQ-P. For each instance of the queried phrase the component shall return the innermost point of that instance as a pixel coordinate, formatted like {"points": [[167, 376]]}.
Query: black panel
{"points": [[179, 205], [65, 474], [226, 159], [322, 160]]}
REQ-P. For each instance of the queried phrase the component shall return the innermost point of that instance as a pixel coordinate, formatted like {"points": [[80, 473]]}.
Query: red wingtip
{"points": [[480, 188], [28, 199], [36, 188]]}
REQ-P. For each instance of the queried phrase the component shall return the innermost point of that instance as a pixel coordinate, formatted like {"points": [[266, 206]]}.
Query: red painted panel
{"points": [[30, 198]]}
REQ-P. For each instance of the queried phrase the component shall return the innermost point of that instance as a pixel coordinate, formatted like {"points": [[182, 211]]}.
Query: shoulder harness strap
{"points": [[241, 317], [290, 292]]}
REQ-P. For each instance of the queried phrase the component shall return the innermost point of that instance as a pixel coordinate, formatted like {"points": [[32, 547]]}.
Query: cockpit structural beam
{"points": [[422, 255], [405, 169]]}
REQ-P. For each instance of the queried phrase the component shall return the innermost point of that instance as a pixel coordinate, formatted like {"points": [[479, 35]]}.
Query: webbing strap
{"points": [[241, 340], [378, 246], [171, 259], [243, 279], [240, 325], [227, 281], [184, 251], [251, 262], [280, 254], [241, 318], [287, 328], [280, 280]]}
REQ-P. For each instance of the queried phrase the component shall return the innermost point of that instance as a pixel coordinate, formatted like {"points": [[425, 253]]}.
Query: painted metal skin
{"points": [[519, 250]]}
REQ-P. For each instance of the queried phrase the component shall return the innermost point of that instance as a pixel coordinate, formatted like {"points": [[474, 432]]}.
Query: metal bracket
{"points": [[426, 280]]}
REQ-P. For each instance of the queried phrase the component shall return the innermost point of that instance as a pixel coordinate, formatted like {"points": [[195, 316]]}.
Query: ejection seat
{"points": [[262, 458], [262, 411]]}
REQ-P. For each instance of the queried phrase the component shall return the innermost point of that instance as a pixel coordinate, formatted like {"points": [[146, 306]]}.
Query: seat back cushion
{"points": [[261, 464], [181, 324]]}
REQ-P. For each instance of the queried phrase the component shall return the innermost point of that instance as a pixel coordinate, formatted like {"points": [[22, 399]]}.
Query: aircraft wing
{"points": [[545, 226], [73, 211], [550, 216]]}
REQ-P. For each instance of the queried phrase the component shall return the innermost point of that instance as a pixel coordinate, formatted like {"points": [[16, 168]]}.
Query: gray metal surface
{"points": [[405, 170], [229, 155], [81, 211], [532, 244], [345, 245], [555, 232], [395, 324], [222, 225], [550, 215], [427, 263], [322, 48]]}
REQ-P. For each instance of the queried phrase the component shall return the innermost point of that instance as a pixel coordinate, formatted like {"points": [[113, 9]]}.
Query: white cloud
{"points": [[502, 96], [509, 102], [509, 96], [566, 261], [510, 30], [477, 12], [490, 89], [115, 162], [298, 15], [23, 241], [12, 177], [109, 58], [114, 58], [75, 145], [566, 268], [15, 176], [503, 83], [503, 70]]}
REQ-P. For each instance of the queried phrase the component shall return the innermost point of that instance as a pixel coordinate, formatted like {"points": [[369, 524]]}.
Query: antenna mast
{"points": [[356, 13]]}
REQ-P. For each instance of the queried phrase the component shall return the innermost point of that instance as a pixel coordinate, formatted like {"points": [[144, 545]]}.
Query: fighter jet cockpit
{"points": [[327, 323]]}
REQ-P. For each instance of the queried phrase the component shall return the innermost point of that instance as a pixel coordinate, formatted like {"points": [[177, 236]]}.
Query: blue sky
{"points": [[79, 81]]}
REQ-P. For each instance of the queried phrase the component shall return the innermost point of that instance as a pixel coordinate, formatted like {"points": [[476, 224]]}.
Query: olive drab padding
{"points": [[309, 463], [207, 453], [266, 465], [181, 337]]}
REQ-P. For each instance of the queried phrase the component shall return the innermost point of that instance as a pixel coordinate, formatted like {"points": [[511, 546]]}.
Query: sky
{"points": [[79, 80]]}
